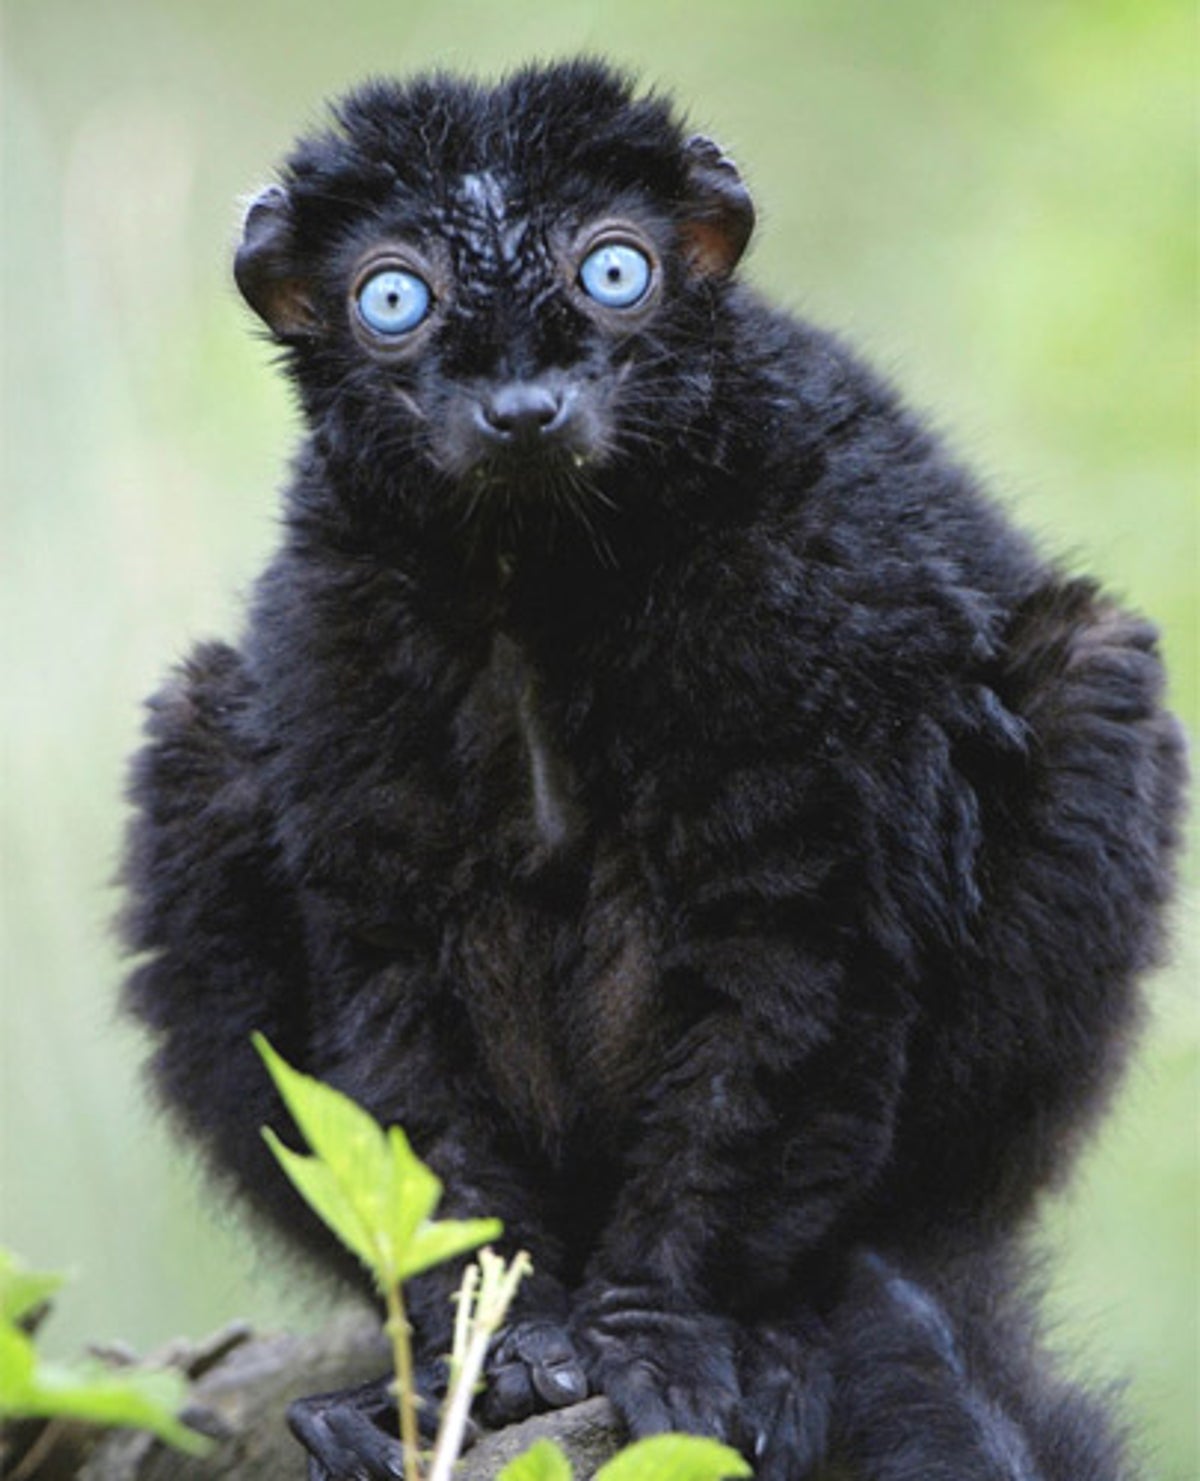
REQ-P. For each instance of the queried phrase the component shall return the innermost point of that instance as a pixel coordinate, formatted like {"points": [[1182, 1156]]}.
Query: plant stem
{"points": [[484, 1297], [463, 1313], [400, 1333], [458, 1406]]}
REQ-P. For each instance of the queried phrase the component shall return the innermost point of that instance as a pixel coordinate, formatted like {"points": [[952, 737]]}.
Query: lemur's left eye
{"points": [[393, 302], [616, 275]]}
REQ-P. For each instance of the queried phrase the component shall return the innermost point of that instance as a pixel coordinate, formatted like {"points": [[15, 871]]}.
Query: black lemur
{"points": [[657, 776]]}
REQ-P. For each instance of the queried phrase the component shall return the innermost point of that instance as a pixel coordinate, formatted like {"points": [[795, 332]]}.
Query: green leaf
{"points": [[350, 1181], [144, 1401], [340, 1132], [674, 1458], [413, 1190], [433, 1244], [23, 1290], [30, 1389], [543, 1461], [413, 1196], [17, 1362], [371, 1188], [316, 1183]]}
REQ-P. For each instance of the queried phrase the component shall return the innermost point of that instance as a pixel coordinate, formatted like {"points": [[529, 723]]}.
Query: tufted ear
{"points": [[720, 213], [266, 270]]}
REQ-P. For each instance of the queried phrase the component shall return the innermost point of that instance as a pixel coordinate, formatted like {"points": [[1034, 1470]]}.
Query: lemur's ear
{"points": [[720, 213], [266, 270]]}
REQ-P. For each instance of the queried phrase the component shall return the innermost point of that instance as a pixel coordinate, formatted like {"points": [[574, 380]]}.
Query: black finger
{"points": [[344, 1443], [378, 1457], [560, 1382], [640, 1403], [509, 1396]]}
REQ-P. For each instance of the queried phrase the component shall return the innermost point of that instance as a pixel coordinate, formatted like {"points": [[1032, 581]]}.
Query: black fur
{"points": [[722, 842]]}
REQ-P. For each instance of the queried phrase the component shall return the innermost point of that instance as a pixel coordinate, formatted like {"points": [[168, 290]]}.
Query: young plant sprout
{"points": [[378, 1197]]}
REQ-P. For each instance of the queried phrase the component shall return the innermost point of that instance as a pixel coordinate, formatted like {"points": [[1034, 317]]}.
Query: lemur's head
{"points": [[500, 291]]}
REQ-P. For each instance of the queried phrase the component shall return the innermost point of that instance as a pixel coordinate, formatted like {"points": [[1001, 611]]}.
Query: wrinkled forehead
{"points": [[498, 209], [493, 222], [488, 210]]}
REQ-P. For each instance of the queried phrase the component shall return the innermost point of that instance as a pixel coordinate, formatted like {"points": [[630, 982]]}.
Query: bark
{"points": [[242, 1384]]}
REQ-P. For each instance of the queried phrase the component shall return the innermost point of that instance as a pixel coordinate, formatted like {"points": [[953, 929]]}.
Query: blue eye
{"points": [[615, 275], [393, 302]]}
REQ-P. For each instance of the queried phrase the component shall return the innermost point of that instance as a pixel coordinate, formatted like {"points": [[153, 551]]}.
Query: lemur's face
{"points": [[501, 288], [505, 331]]}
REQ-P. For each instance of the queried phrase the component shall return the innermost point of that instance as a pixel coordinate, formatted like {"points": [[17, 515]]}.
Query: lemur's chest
{"points": [[520, 790], [555, 942]]}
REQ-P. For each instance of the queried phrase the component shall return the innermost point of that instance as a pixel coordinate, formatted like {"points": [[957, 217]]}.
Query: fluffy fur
{"points": [[712, 831]]}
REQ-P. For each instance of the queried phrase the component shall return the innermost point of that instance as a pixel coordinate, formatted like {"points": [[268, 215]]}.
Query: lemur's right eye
{"points": [[393, 302]]}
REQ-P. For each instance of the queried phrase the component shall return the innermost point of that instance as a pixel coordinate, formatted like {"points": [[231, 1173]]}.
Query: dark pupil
{"points": [[614, 274], [393, 299]]}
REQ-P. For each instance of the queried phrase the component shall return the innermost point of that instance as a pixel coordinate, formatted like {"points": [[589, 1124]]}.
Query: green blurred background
{"points": [[996, 201]]}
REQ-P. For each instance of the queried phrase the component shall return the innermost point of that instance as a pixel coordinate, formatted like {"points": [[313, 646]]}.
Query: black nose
{"points": [[522, 410]]}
